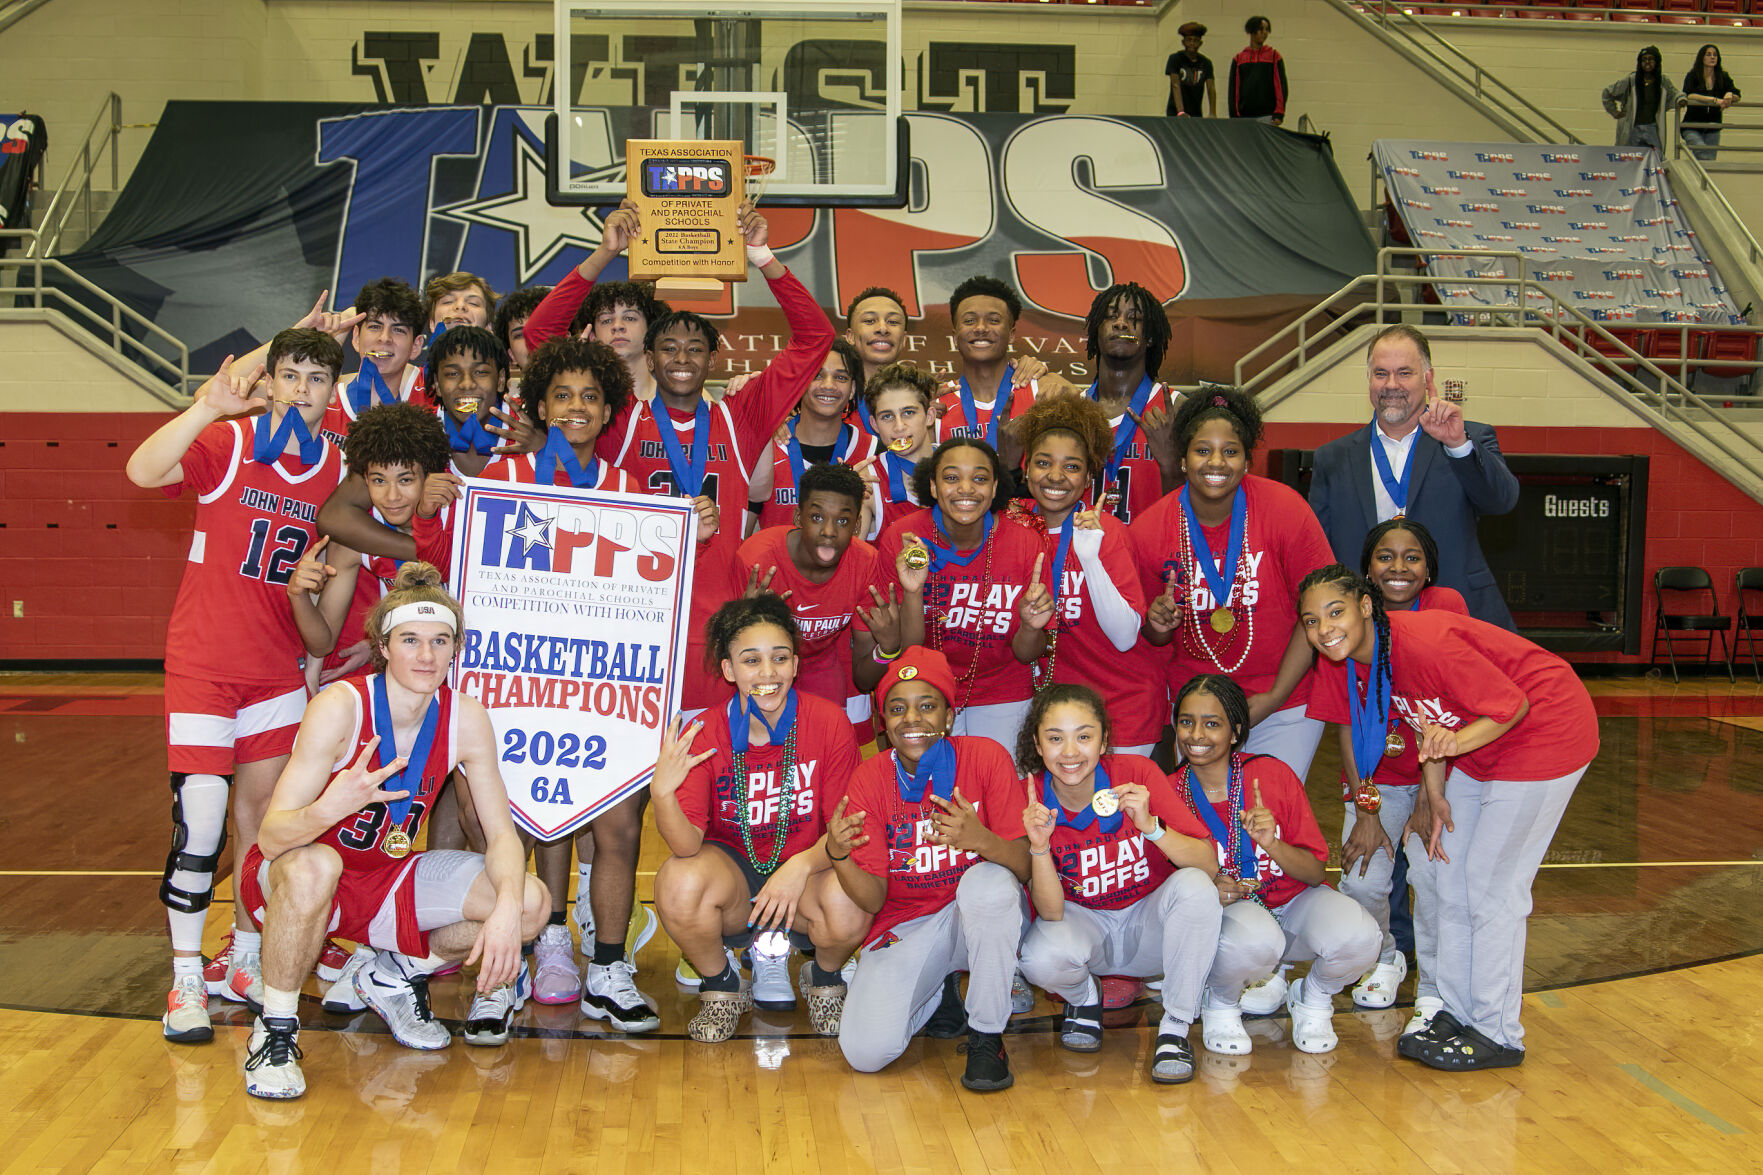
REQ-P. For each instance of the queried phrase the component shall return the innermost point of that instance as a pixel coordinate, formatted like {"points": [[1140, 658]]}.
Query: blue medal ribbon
{"points": [[898, 469], [1000, 406], [470, 437], [559, 452], [738, 734], [941, 556], [1127, 429], [935, 773], [409, 779], [369, 388], [1215, 825], [1064, 549], [1221, 579], [688, 477], [1415, 606], [799, 464], [1396, 487], [1082, 820], [268, 441], [1369, 710]]}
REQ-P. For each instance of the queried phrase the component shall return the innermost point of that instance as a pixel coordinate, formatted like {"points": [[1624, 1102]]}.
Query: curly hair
{"points": [[465, 340], [516, 307], [568, 353], [1231, 700], [639, 296], [415, 583], [389, 435], [391, 297], [1153, 318], [981, 286], [924, 474], [738, 615], [305, 346], [1028, 755], [900, 375], [452, 283], [1218, 402], [1075, 415]]}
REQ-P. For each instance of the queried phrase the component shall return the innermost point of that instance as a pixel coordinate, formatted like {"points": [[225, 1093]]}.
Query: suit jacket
{"points": [[1445, 494]]}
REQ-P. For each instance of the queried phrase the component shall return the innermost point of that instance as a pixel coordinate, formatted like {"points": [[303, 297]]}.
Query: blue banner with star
{"points": [[576, 604]]}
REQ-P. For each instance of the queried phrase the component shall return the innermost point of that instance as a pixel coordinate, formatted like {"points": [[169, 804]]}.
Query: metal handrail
{"points": [[35, 294], [49, 238], [1684, 157], [1379, 13]]}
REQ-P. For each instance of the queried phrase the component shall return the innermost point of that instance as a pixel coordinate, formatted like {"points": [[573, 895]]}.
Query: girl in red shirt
{"points": [[1270, 856], [961, 576], [1219, 562], [1504, 732], [1091, 633], [1116, 892], [741, 798]]}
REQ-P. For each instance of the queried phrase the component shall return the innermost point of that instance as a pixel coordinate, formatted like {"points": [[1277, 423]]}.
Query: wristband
{"points": [[1157, 830], [830, 857], [760, 255], [881, 658], [1039, 853]]}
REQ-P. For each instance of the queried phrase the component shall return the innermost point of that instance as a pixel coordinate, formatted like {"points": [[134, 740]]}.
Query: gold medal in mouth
{"points": [[764, 691], [899, 444], [379, 355], [469, 404]]}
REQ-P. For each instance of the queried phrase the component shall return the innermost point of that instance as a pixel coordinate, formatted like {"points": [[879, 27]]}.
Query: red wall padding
{"points": [[97, 561]]}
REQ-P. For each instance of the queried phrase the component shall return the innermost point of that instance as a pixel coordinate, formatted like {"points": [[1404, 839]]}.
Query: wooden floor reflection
{"points": [[1646, 947]]}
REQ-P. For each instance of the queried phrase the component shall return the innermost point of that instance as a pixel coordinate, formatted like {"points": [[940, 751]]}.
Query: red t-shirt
{"points": [[887, 507], [981, 606], [232, 620], [824, 611], [1284, 796], [922, 875], [1328, 703], [358, 838], [1113, 870], [1141, 481], [1283, 544], [1131, 683], [954, 422], [854, 447], [826, 758]]}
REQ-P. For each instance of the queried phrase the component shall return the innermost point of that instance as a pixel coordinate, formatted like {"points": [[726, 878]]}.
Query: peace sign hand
{"points": [[1258, 821], [519, 435], [226, 396], [312, 572], [1037, 821], [759, 587], [355, 787], [883, 620], [1036, 609], [337, 323], [844, 831]]}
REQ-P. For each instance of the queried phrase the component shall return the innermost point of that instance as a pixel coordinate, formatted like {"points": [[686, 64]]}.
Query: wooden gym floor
{"points": [[1646, 954]]}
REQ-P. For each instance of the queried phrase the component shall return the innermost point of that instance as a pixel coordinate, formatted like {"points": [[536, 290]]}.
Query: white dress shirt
{"points": [[1397, 451]]}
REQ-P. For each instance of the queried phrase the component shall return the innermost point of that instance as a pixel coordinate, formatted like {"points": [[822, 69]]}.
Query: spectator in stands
{"points": [[1190, 75], [1258, 77], [1638, 102], [1707, 90], [1420, 459]]}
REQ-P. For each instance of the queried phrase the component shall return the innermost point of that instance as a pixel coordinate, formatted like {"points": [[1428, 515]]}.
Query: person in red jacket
{"points": [[1258, 77]]}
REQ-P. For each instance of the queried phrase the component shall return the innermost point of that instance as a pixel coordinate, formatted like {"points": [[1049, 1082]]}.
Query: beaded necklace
{"points": [[1193, 630], [1233, 818], [1031, 517], [940, 619], [786, 806]]}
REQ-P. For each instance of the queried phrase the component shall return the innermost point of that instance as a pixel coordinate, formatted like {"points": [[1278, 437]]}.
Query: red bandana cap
{"points": [[927, 665]]}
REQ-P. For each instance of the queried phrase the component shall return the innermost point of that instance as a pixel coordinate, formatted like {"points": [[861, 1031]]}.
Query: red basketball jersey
{"points": [[854, 447], [360, 839]]}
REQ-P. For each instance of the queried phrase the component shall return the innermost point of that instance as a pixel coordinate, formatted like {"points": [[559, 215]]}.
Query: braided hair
{"points": [[1231, 699], [1028, 755], [1355, 587], [1153, 321], [1429, 547]]}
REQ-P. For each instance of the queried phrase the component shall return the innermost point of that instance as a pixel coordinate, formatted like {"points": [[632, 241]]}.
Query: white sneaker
{"points": [[1312, 1028], [610, 993], [849, 971], [1378, 988], [1222, 1027], [492, 1012], [1267, 997], [583, 913], [1022, 996], [771, 982], [272, 1060], [244, 979], [340, 996], [557, 980], [186, 1011], [1425, 1008], [404, 1005]]}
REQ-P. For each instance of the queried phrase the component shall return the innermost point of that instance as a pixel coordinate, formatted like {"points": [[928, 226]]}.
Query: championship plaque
{"points": [[689, 194]]}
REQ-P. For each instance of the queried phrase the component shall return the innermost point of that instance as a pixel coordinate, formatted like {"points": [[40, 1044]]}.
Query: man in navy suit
{"points": [[1436, 468]]}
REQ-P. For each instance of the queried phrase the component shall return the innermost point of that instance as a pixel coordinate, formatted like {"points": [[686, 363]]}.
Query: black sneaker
{"points": [[988, 1068], [950, 1019]]}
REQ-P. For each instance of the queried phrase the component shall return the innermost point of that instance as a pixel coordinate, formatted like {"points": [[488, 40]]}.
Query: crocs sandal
{"points": [[1443, 1027], [1467, 1050]]}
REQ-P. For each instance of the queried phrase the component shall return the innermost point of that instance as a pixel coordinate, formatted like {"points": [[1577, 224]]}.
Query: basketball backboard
{"points": [[812, 84]]}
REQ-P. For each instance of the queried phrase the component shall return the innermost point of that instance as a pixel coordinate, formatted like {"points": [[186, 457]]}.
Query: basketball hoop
{"points": [[759, 170]]}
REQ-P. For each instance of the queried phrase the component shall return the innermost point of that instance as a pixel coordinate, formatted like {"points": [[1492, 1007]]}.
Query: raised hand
{"points": [[911, 578], [955, 823], [1037, 820], [757, 586], [1158, 425], [1164, 614], [337, 323], [1443, 421], [355, 787], [438, 490], [1036, 608], [621, 228], [312, 572], [676, 759], [519, 435], [228, 396], [883, 620], [1135, 801], [1262, 828], [844, 831], [754, 227]]}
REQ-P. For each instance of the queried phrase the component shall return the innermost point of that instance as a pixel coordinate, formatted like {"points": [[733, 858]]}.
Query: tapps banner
{"points": [[575, 611], [1598, 224]]}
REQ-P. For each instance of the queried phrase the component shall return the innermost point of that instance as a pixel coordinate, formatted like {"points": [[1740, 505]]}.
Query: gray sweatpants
{"points": [[1320, 924], [1288, 735], [1501, 831], [897, 987], [1373, 890], [1173, 932], [999, 722]]}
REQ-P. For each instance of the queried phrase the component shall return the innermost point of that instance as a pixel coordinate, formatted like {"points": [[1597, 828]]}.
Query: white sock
{"points": [[1316, 1001], [182, 965], [1087, 995], [1173, 1027], [280, 1004], [247, 942]]}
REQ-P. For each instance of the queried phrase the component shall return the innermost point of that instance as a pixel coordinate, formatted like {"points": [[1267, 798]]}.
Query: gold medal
{"points": [[1367, 798], [900, 444], [1105, 803], [1249, 884], [397, 843], [917, 558], [764, 691], [468, 405], [1111, 498], [1394, 745], [1222, 620]]}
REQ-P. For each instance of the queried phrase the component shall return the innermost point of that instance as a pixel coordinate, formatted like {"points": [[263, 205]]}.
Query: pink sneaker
{"points": [[214, 971], [557, 980]]}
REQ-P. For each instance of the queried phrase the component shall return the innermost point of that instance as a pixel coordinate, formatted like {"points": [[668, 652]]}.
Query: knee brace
{"points": [[198, 833]]}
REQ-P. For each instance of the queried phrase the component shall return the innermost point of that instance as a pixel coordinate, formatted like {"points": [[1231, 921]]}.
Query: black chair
{"points": [[1748, 579], [1688, 579]]}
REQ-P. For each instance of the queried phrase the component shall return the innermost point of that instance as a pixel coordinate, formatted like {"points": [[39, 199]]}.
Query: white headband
{"points": [[422, 610]]}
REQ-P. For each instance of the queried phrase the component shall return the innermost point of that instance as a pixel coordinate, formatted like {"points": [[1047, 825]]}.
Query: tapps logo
{"points": [[1466, 175], [1551, 157], [1494, 157]]}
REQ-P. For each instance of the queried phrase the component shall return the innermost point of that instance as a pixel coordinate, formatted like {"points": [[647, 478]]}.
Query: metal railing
{"points": [[1683, 159], [1664, 400], [1456, 70], [78, 193], [114, 323]]}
